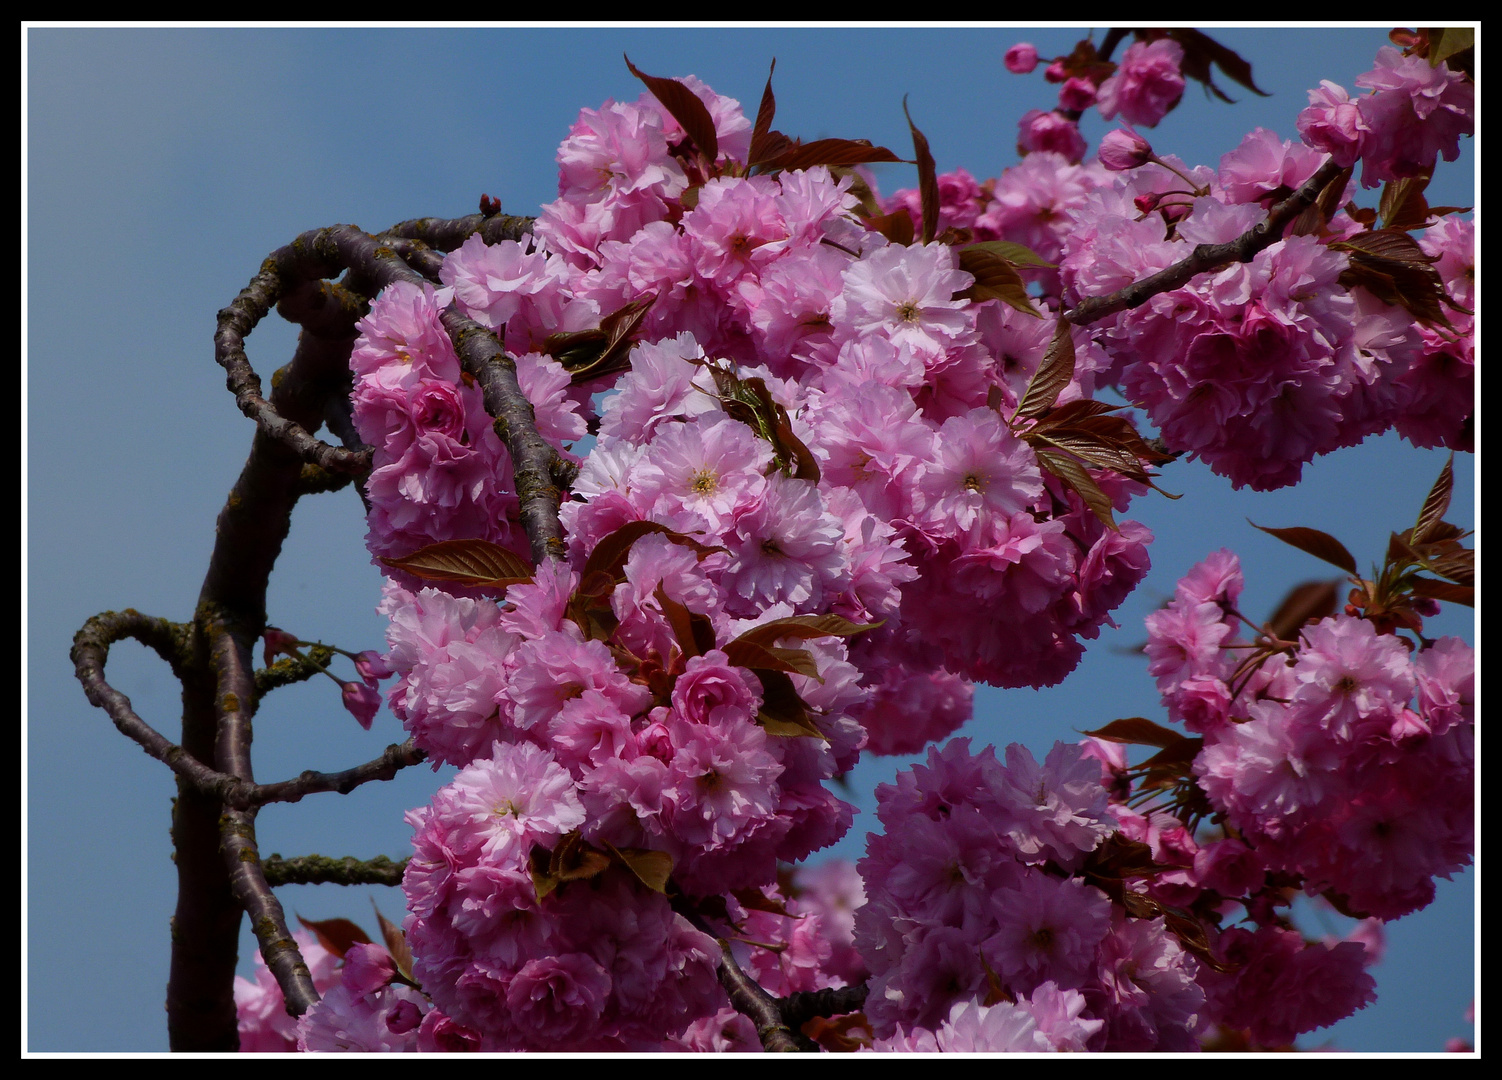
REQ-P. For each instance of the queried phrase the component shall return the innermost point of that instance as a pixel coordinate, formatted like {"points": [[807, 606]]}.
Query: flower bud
{"points": [[1021, 58], [1124, 149], [363, 703]]}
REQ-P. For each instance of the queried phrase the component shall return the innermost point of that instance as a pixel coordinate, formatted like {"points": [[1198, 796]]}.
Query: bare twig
{"points": [[396, 758], [798, 1009]]}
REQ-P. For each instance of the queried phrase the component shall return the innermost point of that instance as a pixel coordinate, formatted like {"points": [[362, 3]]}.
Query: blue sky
{"points": [[164, 164]]}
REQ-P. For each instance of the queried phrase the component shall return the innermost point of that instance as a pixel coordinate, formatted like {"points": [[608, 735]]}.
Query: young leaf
{"points": [[1201, 50], [764, 114], [1443, 590], [1313, 542], [1138, 730], [652, 868], [783, 712], [928, 181], [686, 108], [995, 279], [336, 935], [1016, 254], [1435, 504], [803, 627], [478, 564], [1053, 374], [1311, 600], [396, 944], [609, 555], [1075, 476], [896, 226], [828, 152]]}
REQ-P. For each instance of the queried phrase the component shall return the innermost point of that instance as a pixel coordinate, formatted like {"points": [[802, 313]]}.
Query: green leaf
{"points": [[995, 279], [686, 108], [1313, 542], [1016, 254], [478, 564]]}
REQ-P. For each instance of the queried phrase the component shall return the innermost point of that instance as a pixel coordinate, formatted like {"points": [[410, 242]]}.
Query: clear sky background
{"points": [[165, 164]]}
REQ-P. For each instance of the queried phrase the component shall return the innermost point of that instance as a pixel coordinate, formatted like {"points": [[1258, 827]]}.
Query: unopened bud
{"points": [[1124, 149]]}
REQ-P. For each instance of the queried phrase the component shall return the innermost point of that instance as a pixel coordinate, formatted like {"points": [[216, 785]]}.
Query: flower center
{"points": [[704, 482], [909, 312]]}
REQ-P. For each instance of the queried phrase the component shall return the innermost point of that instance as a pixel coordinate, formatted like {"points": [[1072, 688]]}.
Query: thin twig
{"points": [[396, 758]]}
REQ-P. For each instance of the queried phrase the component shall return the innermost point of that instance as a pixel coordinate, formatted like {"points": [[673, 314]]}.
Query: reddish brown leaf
{"points": [[896, 227], [651, 868], [685, 107], [609, 555], [1403, 205], [763, 126], [1313, 542], [1201, 50], [804, 627], [396, 944], [1311, 600], [1443, 590], [828, 152], [928, 180], [783, 712], [1075, 476], [749, 654], [478, 564], [681, 621], [336, 935], [1435, 504], [1053, 374], [1137, 730]]}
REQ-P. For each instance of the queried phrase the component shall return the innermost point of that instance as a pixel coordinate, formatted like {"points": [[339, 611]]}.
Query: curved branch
{"points": [[322, 870], [1207, 257], [395, 759], [91, 652], [284, 272], [450, 234]]}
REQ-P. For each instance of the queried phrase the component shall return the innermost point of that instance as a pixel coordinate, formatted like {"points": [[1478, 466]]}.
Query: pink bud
{"points": [[1077, 95], [1124, 149], [277, 642], [371, 667], [1021, 58], [1056, 72], [362, 701]]}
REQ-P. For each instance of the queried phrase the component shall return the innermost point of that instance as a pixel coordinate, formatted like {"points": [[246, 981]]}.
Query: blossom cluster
{"points": [[808, 478], [973, 903], [1346, 760], [1262, 366], [795, 490]]}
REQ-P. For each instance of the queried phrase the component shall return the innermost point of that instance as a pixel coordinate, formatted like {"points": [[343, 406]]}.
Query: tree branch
{"points": [[762, 1008], [320, 869], [798, 1009], [395, 759], [1207, 257]]}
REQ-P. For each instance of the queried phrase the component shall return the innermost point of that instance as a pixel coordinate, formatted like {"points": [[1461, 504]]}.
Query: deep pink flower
{"points": [[1146, 84], [362, 701]]}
